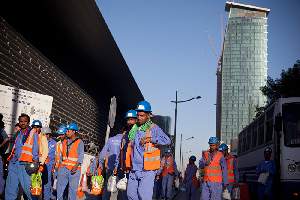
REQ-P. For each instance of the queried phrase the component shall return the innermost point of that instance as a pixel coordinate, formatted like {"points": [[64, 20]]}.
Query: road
{"points": [[182, 195]]}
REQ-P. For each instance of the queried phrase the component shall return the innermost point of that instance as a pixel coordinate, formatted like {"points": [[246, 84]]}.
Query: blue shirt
{"points": [[111, 151], [267, 166], [223, 165], [190, 172], [19, 144], [51, 151], [157, 137]]}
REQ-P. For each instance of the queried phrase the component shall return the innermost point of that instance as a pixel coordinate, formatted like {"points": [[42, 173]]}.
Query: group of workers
{"points": [[134, 153]]}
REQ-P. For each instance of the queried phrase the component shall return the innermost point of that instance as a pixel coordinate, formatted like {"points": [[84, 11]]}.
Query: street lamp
{"points": [[175, 122], [180, 154]]}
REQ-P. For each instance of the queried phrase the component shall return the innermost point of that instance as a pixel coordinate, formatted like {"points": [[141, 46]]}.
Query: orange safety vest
{"points": [[213, 172], [151, 154], [230, 172], [128, 162], [168, 166], [26, 152], [58, 151], [69, 161]]}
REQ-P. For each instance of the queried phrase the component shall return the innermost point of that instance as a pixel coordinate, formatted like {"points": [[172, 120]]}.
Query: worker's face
{"points": [[48, 136], [142, 117], [37, 129], [191, 162], [131, 121], [70, 133], [23, 122], [213, 147], [267, 155]]}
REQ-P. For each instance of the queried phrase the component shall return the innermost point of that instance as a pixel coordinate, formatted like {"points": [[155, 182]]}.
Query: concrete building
{"points": [[243, 68], [64, 49]]}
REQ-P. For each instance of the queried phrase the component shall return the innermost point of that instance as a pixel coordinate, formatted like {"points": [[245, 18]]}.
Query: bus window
{"points": [[244, 142], [291, 124], [269, 124], [240, 143], [261, 130], [254, 135], [248, 139]]}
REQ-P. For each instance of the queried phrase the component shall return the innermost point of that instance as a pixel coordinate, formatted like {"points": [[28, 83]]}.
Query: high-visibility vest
{"points": [[26, 152], [128, 163], [151, 154], [230, 172], [213, 172], [167, 166], [58, 152], [69, 161]]}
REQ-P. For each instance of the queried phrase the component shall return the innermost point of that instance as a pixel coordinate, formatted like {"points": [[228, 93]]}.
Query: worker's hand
{"points": [[115, 171], [74, 169], [145, 140], [41, 168]]}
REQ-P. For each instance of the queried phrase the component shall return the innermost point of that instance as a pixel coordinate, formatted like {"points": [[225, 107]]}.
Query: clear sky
{"points": [[165, 44]]}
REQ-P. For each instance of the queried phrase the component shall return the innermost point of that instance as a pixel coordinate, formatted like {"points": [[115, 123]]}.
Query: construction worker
{"points": [[145, 154], [43, 143], [232, 167], [47, 173], [215, 171], [266, 168], [70, 163], [110, 155], [190, 179], [24, 160], [169, 171]]}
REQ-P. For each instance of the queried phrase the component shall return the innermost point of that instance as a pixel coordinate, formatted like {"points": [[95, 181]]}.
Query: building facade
{"points": [[243, 68], [64, 49]]}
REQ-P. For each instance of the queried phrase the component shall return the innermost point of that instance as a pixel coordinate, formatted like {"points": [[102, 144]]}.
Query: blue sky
{"points": [[165, 44]]}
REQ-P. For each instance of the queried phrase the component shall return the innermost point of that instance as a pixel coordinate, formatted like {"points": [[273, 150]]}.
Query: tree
{"points": [[288, 85]]}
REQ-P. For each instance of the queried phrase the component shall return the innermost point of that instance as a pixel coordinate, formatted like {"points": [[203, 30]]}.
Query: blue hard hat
{"points": [[143, 106], [62, 130], [73, 126], [268, 150], [193, 158], [36, 123], [213, 140], [131, 113], [223, 147]]}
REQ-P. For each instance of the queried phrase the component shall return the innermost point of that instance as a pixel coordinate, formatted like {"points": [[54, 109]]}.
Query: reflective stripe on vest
{"points": [[230, 172], [213, 172], [58, 153], [71, 160], [128, 163], [168, 166], [26, 152], [151, 154]]}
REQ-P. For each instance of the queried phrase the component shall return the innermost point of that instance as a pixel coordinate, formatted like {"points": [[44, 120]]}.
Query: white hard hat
{"points": [[46, 130]]}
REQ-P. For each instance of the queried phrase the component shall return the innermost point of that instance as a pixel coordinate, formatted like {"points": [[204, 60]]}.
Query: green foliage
{"points": [[288, 85]]}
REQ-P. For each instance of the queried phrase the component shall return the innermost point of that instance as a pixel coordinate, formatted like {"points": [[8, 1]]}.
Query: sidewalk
{"points": [[182, 195]]}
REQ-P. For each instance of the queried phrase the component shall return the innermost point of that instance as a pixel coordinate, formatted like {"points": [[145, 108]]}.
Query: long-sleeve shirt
{"points": [[223, 165], [157, 137], [111, 151], [267, 167], [43, 148], [190, 172], [19, 144], [51, 151]]}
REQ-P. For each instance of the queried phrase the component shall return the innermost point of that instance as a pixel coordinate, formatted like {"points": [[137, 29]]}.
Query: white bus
{"points": [[279, 128]]}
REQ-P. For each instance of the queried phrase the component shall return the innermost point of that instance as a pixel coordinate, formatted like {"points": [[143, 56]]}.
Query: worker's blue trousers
{"points": [[17, 174], [211, 191], [191, 191], [47, 181], [64, 177], [167, 183], [140, 185]]}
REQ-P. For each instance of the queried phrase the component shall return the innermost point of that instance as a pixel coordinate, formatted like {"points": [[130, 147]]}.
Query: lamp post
{"points": [[175, 122], [180, 154]]}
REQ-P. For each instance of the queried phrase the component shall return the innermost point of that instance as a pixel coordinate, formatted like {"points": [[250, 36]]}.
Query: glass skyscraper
{"points": [[242, 70]]}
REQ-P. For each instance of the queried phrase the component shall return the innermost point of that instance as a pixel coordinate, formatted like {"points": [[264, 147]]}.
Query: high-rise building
{"points": [[243, 68]]}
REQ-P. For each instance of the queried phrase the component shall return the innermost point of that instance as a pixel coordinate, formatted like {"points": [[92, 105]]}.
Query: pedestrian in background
{"points": [[190, 178], [266, 172]]}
